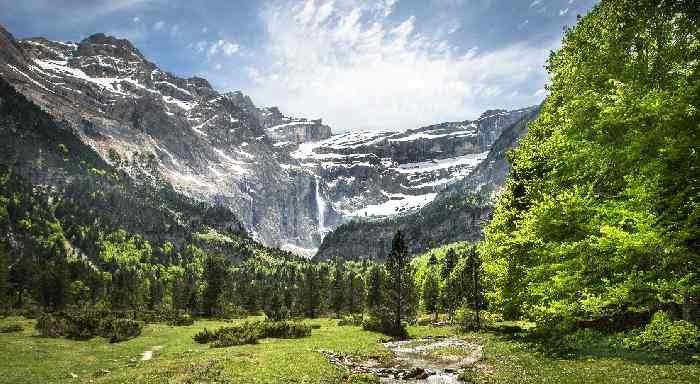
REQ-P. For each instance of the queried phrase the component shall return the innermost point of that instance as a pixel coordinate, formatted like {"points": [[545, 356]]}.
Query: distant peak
{"points": [[101, 44]]}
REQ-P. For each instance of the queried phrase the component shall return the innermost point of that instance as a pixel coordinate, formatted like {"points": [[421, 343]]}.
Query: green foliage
{"points": [[599, 216], [49, 325], [400, 296], [10, 328], [121, 330], [666, 335], [86, 325], [362, 378], [249, 332]]}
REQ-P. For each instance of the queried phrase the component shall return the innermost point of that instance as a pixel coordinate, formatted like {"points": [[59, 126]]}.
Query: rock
{"points": [[416, 373]]}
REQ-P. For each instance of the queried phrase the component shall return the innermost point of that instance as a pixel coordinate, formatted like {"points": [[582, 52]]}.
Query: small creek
{"points": [[417, 361]]}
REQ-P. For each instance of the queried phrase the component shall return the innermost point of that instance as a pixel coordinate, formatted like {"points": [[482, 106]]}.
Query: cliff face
{"points": [[289, 180], [458, 212]]}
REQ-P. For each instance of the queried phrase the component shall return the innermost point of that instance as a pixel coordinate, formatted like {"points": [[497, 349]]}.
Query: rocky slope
{"points": [[458, 213], [289, 180]]}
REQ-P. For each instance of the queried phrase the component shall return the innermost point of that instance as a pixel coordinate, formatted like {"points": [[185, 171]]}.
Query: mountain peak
{"points": [[101, 44]]}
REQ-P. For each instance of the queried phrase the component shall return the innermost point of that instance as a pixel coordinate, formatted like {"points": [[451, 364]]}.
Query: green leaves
{"points": [[600, 215]]}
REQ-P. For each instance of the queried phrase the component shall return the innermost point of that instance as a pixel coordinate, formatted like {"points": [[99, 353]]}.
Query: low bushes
{"points": [[663, 334], [285, 330], [250, 332], [384, 325], [351, 320], [10, 328], [86, 325]]}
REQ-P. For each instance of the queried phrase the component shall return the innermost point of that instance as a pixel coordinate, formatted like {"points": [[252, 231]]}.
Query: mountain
{"points": [[288, 180], [459, 212]]}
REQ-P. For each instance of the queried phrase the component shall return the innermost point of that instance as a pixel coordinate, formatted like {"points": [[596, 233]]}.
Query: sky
{"points": [[358, 64]]}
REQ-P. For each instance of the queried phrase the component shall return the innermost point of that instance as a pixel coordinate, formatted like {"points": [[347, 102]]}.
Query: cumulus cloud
{"points": [[359, 68]]}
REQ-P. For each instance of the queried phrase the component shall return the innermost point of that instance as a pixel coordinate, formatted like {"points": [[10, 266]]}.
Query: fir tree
{"points": [[399, 285]]}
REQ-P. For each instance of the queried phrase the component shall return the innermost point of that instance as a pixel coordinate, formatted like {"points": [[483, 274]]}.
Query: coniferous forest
{"points": [[587, 271]]}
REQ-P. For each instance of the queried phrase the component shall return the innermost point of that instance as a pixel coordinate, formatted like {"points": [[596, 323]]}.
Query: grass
{"points": [[27, 358]]}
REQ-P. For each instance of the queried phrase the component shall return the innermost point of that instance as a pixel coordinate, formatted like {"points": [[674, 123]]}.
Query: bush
{"points": [[86, 325], [180, 319], [285, 330], [465, 317], [663, 334], [10, 328], [124, 329], [250, 332], [351, 320], [49, 325], [383, 325]]}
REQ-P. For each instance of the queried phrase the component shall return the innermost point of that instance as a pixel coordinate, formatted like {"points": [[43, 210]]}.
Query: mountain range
{"points": [[289, 182]]}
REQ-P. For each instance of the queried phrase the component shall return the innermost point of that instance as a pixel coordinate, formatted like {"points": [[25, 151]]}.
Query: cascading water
{"points": [[320, 209]]}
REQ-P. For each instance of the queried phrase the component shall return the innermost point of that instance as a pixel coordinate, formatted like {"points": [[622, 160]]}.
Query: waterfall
{"points": [[320, 208]]}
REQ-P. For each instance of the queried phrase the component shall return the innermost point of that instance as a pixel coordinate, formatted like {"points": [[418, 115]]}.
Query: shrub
{"points": [[83, 325], [49, 325], [204, 336], [666, 335], [9, 328], [285, 330], [383, 325], [86, 325], [180, 319], [351, 320], [249, 333], [124, 329], [362, 378]]}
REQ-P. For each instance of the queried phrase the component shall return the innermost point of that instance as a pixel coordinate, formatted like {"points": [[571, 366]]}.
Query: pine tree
{"points": [[311, 300], [215, 276], [338, 288], [399, 285]]}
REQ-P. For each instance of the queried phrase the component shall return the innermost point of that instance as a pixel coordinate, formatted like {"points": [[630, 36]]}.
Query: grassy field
{"points": [[27, 358]]}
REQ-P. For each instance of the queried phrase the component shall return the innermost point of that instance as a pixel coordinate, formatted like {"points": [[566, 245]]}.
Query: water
{"points": [[320, 208], [415, 354]]}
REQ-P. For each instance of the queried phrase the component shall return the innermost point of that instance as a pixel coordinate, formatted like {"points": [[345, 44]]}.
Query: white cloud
{"points": [[222, 47], [159, 25], [563, 12], [350, 63], [136, 19]]}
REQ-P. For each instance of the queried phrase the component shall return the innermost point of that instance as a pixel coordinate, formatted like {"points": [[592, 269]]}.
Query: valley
{"points": [[163, 228]]}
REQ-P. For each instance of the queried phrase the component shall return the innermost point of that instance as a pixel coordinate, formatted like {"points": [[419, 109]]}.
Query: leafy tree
{"points": [[375, 288], [599, 216], [448, 263], [356, 293], [431, 291]]}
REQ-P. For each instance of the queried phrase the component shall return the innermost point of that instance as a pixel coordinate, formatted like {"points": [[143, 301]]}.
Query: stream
{"points": [[416, 361]]}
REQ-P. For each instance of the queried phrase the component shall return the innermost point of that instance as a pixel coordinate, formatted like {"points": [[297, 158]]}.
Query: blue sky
{"points": [[358, 64]]}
